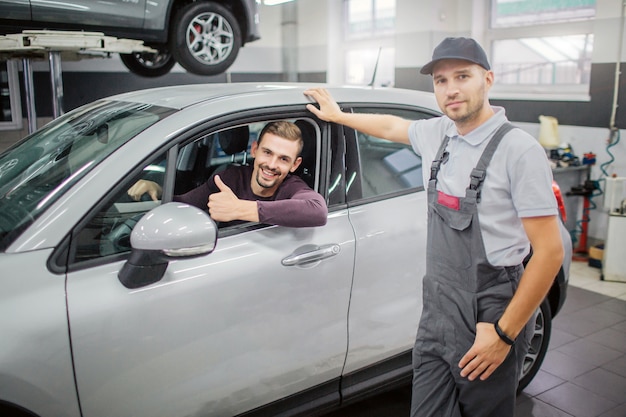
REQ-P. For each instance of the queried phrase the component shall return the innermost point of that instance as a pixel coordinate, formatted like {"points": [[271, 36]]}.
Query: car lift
{"points": [[57, 45]]}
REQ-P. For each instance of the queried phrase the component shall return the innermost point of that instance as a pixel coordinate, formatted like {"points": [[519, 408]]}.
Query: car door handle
{"points": [[311, 253]]}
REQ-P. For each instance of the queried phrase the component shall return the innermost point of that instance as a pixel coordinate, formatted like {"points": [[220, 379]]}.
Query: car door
{"points": [[112, 13], [218, 334], [388, 212]]}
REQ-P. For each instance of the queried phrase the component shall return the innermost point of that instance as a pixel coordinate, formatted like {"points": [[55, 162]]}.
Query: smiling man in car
{"points": [[265, 192]]}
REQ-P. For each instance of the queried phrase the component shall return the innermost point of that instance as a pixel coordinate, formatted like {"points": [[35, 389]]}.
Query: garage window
{"points": [[510, 13], [368, 18], [367, 21], [541, 47]]}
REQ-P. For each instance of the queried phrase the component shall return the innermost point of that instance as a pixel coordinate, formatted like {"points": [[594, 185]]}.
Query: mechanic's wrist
{"points": [[503, 335]]}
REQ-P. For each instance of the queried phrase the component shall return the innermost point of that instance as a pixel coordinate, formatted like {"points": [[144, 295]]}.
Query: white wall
{"points": [[607, 28], [264, 55]]}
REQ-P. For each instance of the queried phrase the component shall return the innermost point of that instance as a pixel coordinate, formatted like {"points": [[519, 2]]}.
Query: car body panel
{"points": [[387, 294], [15, 9], [217, 332], [254, 32], [116, 13], [35, 356]]}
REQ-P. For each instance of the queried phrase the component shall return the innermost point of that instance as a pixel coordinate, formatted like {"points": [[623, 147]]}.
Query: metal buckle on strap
{"points": [[434, 168], [477, 177]]}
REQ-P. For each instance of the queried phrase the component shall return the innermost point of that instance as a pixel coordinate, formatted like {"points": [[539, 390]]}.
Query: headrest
{"points": [[234, 140], [308, 137]]}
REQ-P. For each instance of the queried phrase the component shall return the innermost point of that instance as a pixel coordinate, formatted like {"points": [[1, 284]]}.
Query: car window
{"points": [[385, 167], [38, 170], [108, 231], [109, 228], [213, 152]]}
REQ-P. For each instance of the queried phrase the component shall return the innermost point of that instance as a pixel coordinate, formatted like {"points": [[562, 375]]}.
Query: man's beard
{"points": [[473, 112], [259, 178]]}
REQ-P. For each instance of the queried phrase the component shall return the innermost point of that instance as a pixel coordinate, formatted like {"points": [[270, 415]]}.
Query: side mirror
{"points": [[167, 232]]}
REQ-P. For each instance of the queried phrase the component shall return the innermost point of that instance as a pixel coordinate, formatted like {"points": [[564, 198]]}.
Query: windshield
{"points": [[39, 169]]}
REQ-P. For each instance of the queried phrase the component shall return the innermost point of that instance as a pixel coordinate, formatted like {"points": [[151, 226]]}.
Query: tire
{"points": [[205, 38], [538, 345], [149, 65], [7, 410]]}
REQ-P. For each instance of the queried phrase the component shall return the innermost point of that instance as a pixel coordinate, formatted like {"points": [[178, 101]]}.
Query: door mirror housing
{"points": [[167, 232]]}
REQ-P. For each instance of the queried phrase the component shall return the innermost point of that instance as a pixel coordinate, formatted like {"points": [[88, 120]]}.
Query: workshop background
{"points": [[573, 77], [560, 78]]}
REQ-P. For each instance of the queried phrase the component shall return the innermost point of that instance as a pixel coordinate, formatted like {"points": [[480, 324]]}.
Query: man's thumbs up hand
{"points": [[224, 206]]}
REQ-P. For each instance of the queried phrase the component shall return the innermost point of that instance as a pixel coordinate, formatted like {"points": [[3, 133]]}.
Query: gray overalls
{"points": [[461, 288]]}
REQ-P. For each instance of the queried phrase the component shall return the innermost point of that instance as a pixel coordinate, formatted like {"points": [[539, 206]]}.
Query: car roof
{"points": [[182, 96]]}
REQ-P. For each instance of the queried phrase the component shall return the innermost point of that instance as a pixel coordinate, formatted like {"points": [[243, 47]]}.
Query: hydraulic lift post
{"points": [[55, 45]]}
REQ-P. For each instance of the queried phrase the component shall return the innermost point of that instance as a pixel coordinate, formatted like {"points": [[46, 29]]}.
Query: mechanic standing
{"points": [[489, 199]]}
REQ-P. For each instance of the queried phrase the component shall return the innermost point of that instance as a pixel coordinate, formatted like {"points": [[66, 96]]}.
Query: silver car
{"points": [[203, 36], [114, 307]]}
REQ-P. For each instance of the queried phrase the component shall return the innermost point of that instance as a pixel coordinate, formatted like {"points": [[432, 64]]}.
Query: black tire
{"points": [[538, 345], [205, 38], [7, 410], [149, 65]]}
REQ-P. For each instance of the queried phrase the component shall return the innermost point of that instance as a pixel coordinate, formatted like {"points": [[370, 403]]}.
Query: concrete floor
{"points": [[584, 372]]}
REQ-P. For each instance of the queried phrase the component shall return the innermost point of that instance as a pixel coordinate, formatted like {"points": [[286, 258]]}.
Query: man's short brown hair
{"points": [[285, 130]]}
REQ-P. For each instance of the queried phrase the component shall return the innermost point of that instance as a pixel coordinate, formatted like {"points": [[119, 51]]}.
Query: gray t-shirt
{"points": [[518, 182]]}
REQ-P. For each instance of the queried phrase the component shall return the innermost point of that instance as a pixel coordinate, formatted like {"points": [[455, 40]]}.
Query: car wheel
{"points": [[205, 38], [538, 345], [149, 64]]}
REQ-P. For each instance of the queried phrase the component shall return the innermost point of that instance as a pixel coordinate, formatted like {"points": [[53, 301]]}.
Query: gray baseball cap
{"points": [[457, 48]]}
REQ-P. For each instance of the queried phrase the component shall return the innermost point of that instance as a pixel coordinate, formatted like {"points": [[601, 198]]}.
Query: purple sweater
{"points": [[294, 204]]}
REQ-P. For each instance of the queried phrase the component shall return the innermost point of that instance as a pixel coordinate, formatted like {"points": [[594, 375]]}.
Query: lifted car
{"points": [[203, 36]]}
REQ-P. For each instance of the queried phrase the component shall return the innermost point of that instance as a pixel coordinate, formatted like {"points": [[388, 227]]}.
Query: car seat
{"points": [[201, 159], [234, 143]]}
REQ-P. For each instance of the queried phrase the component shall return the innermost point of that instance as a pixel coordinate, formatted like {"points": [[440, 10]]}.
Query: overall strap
{"points": [[477, 177], [439, 159]]}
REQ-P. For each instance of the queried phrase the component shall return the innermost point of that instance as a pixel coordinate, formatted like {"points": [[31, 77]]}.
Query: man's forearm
{"points": [[294, 212], [382, 126], [536, 280], [533, 288]]}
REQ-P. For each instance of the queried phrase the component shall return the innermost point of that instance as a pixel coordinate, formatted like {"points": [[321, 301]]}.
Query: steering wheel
{"points": [[118, 239]]}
